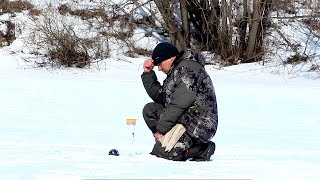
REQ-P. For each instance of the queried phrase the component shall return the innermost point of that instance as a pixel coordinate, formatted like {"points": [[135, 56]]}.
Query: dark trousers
{"points": [[151, 114]]}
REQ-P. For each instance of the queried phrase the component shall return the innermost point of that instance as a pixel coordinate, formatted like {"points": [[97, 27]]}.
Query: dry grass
{"points": [[83, 13], [141, 51], [64, 9], [34, 12], [296, 59], [313, 24], [15, 6]]}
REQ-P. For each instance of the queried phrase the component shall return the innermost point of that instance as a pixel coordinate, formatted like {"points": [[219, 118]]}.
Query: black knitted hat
{"points": [[163, 51]]}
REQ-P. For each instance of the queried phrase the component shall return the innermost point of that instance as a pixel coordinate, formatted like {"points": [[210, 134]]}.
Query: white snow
{"points": [[60, 124], [3, 28]]}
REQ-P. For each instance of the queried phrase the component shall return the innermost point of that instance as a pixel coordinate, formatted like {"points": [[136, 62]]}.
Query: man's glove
{"points": [[170, 139]]}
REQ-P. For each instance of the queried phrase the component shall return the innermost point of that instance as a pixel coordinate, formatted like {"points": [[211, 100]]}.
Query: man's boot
{"points": [[159, 151], [201, 151]]}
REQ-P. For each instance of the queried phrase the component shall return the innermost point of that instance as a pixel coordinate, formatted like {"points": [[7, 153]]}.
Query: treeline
{"points": [[238, 31]]}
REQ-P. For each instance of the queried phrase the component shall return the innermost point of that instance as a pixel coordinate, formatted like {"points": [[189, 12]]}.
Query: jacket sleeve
{"points": [[153, 86], [181, 100]]}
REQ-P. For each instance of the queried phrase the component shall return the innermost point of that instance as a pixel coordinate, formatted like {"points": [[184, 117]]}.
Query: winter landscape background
{"points": [[60, 123]]}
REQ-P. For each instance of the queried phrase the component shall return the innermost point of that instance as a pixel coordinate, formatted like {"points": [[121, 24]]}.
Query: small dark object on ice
{"points": [[114, 152]]}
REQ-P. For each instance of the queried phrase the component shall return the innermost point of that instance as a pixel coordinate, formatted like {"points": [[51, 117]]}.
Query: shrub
{"points": [[63, 43]]}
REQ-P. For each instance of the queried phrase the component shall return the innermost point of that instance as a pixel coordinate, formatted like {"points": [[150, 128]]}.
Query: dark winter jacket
{"points": [[187, 95]]}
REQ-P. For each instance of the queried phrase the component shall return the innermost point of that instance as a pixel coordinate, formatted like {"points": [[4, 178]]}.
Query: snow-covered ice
{"points": [[60, 124]]}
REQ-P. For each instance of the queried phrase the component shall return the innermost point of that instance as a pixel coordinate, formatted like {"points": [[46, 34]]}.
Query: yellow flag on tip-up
{"points": [[131, 121]]}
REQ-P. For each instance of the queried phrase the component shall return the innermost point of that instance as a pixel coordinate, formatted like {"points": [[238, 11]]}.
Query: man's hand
{"points": [[148, 65], [157, 136]]}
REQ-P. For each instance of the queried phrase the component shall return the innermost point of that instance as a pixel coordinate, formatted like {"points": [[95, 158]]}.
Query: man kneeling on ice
{"points": [[183, 117]]}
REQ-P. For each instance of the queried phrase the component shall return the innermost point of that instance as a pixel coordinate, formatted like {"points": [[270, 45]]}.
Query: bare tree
{"points": [[175, 33], [185, 22], [215, 26], [243, 27], [254, 25]]}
